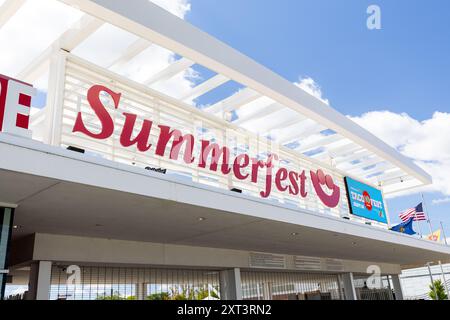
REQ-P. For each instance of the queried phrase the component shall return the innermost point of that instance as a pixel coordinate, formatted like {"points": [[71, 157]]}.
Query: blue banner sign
{"points": [[365, 201]]}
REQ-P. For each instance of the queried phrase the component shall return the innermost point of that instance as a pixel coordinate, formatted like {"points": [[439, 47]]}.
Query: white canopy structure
{"points": [[144, 43]]}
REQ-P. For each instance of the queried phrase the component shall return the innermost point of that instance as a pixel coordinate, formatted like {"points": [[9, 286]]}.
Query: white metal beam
{"points": [[261, 113], [79, 32], [395, 184], [393, 175], [8, 9], [234, 102], [320, 142], [345, 161], [132, 51], [351, 157], [381, 168], [169, 72], [344, 150], [364, 163], [205, 87], [291, 121], [336, 151], [310, 128], [153, 23], [68, 41]]}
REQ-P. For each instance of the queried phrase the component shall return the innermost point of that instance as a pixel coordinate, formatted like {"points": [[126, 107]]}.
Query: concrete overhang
{"points": [[63, 192]]}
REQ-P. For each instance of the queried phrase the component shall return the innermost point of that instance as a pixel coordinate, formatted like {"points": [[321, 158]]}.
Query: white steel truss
{"points": [[68, 41], [171, 71], [205, 87], [265, 104], [234, 102], [8, 9]]}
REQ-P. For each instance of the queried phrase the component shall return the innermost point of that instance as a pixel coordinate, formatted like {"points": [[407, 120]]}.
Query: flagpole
{"points": [[445, 282], [445, 238], [432, 282], [418, 225], [427, 213]]}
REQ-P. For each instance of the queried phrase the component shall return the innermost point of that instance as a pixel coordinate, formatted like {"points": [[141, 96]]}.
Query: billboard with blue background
{"points": [[365, 201]]}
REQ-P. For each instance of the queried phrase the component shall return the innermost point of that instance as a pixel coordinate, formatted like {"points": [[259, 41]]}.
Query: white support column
{"points": [[230, 284], [141, 291], [349, 287], [397, 287], [55, 98], [40, 276], [8, 9], [267, 291]]}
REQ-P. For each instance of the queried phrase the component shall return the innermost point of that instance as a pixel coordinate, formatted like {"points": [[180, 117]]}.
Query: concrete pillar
{"points": [[141, 291], [40, 277], [397, 287], [6, 223], [349, 287], [267, 291], [230, 284]]}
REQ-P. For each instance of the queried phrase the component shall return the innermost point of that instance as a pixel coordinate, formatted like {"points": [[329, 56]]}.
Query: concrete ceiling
{"points": [[58, 207]]}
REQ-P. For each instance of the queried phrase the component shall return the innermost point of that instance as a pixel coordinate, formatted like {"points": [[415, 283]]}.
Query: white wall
{"points": [[95, 250]]}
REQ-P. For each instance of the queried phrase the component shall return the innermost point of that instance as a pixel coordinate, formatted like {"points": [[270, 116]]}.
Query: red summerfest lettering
{"points": [[211, 155], [96, 104]]}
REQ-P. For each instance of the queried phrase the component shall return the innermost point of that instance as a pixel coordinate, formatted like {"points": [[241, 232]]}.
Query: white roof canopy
{"points": [[147, 44]]}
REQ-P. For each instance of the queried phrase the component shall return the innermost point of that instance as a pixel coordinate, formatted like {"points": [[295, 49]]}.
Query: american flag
{"points": [[416, 212]]}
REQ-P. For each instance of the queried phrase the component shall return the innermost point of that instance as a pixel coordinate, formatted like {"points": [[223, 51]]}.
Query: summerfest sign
{"points": [[212, 156], [15, 101]]}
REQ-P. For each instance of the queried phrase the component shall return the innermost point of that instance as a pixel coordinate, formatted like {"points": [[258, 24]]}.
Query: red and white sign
{"points": [[211, 156], [15, 103]]}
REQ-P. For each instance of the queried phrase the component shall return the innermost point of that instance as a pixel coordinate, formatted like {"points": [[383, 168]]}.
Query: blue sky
{"points": [[402, 68]]}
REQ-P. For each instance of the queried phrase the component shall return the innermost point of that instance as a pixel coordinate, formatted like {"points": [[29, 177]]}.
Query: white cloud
{"points": [[441, 201], [310, 86], [176, 7], [426, 142]]}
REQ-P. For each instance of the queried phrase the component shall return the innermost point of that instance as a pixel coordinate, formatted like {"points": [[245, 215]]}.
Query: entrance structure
{"points": [[283, 201]]}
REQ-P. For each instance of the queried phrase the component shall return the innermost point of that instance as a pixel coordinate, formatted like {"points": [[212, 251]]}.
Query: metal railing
{"points": [[128, 283], [259, 285]]}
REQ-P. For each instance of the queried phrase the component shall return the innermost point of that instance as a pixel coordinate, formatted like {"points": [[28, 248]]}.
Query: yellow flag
{"points": [[435, 236]]}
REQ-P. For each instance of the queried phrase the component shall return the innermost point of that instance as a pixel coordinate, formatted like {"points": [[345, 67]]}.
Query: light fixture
{"points": [[76, 149], [16, 226], [201, 219], [294, 234]]}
